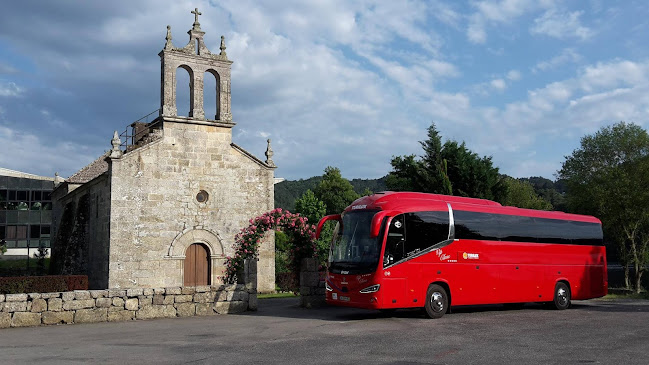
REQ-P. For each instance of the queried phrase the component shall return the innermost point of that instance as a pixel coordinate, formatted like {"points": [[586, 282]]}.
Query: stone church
{"points": [[163, 206]]}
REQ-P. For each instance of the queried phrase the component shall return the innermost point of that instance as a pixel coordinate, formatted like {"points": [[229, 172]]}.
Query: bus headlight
{"points": [[328, 287], [371, 289]]}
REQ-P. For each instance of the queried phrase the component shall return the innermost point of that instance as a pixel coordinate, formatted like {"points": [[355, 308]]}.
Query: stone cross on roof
{"points": [[196, 13]]}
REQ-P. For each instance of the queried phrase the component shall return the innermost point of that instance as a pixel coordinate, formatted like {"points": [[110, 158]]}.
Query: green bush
{"points": [[42, 284]]}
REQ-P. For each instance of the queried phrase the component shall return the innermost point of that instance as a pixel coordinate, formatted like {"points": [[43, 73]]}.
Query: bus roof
{"points": [[413, 202]]}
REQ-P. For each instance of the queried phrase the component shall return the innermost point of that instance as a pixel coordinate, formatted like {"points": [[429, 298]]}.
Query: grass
{"points": [[642, 295], [276, 295], [11, 267]]}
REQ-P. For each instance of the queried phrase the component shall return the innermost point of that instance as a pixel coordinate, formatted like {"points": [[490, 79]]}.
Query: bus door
{"points": [[409, 253], [395, 270]]}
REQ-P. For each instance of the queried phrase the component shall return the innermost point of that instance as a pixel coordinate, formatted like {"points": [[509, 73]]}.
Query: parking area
{"points": [[594, 331]]}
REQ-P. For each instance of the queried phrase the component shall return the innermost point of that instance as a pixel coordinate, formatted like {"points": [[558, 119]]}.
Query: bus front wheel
{"points": [[436, 301], [561, 296]]}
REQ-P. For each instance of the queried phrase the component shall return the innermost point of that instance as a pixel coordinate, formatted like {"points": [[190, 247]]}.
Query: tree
{"points": [[308, 205], [335, 191], [40, 256], [521, 194], [449, 168], [607, 177], [311, 207]]}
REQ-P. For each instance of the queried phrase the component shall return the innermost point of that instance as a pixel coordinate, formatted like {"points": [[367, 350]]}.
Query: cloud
{"points": [[499, 12], [335, 82], [10, 89], [561, 25], [567, 55], [498, 84], [7, 69], [514, 75], [552, 118], [29, 153]]}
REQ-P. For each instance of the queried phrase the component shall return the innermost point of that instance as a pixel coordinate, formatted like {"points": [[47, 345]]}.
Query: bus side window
{"points": [[395, 243]]}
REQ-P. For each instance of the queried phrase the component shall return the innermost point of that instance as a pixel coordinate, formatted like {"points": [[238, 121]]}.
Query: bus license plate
{"points": [[344, 299]]}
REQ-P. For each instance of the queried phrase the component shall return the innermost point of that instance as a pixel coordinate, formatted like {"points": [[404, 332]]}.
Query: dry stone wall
{"points": [[312, 285], [89, 306]]}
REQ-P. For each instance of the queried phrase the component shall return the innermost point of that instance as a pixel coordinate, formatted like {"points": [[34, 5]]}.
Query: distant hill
{"points": [[288, 191]]}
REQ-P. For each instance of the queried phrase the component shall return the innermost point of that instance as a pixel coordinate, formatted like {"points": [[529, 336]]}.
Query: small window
{"points": [[11, 195], [34, 232], [21, 232], [47, 195], [3, 231], [36, 195], [22, 195], [16, 232], [3, 195], [45, 231], [202, 196]]}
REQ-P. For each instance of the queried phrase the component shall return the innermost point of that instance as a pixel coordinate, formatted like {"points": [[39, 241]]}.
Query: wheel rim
{"points": [[437, 302], [562, 297]]}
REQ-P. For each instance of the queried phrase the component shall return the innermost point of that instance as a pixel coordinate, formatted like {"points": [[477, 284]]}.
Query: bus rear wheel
{"points": [[436, 301], [561, 296]]}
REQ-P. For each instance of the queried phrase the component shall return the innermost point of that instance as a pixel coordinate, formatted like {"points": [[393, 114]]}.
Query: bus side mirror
{"points": [[334, 217], [375, 229]]}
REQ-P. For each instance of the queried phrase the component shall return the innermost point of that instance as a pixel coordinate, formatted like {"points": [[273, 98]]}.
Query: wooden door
{"points": [[197, 265]]}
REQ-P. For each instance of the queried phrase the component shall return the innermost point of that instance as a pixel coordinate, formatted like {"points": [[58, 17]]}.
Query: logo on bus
{"points": [[470, 256], [359, 206]]}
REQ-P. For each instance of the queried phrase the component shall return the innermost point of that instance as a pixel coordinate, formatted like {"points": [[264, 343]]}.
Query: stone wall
{"points": [[312, 285], [88, 306], [81, 247]]}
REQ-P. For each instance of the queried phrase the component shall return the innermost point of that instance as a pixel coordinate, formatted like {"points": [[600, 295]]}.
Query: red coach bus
{"points": [[405, 250]]}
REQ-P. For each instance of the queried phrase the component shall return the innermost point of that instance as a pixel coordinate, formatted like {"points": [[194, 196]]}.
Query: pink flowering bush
{"points": [[246, 246]]}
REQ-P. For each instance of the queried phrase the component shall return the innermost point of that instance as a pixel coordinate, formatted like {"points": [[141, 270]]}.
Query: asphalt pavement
{"points": [[591, 332]]}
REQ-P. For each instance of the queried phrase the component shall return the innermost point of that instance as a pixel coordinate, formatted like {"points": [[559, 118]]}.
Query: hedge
{"points": [[42, 284], [286, 281]]}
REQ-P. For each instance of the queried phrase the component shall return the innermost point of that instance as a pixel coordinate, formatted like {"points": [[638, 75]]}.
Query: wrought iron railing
{"points": [[140, 130]]}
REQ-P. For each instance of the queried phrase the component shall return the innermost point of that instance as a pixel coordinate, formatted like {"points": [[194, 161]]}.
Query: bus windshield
{"points": [[352, 250]]}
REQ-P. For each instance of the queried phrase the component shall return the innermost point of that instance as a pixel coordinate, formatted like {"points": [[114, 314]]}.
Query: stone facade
{"points": [[89, 306], [82, 216], [179, 181]]}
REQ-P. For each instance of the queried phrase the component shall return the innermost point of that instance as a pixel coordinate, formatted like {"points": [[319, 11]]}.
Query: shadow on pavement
{"points": [[289, 308], [614, 306]]}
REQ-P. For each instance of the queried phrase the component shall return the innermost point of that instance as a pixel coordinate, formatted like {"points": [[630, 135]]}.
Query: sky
{"points": [[333, 83]]}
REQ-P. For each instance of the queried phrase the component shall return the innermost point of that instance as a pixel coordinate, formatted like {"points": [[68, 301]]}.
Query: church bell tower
{"points": [[198, 61]]}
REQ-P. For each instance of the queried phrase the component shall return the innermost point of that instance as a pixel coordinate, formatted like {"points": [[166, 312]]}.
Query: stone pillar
{"points": [[250, 274], [266, 269], [225, 113], [197, 96], [312, 289], [168, 88]]}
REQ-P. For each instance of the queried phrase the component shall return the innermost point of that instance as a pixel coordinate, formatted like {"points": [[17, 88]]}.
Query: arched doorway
{"points": [[197, 265]]}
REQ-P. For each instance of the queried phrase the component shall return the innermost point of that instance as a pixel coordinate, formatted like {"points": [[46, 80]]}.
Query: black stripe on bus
{"points": [[513, 228]]}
